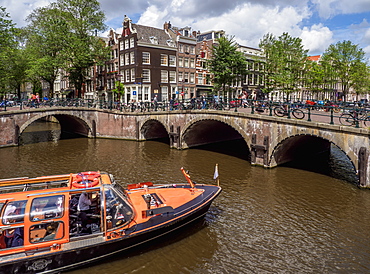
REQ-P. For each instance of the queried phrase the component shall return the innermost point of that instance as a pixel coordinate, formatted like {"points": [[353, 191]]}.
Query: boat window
{"points": [[46, 232], [49, 207], [14, 212], [118, 210], [12, 237]]}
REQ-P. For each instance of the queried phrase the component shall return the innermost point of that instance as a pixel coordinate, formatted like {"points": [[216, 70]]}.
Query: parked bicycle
{"points": [[355, 118], [282, 111]]}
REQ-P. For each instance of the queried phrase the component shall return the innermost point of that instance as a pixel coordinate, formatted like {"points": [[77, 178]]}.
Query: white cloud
{"points": [[317, 38]]}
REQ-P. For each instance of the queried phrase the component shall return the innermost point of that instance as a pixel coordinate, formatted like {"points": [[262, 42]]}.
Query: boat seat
{"points": [[37, 234]]}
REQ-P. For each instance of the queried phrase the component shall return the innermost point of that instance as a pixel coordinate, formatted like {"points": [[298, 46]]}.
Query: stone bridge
{"points": [[271, 141]]}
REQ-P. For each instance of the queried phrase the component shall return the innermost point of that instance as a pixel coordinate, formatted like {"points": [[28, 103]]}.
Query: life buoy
{"points": [[86, 179]]}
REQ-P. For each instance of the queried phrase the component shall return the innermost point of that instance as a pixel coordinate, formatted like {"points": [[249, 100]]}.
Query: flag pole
{"points": [[216, 176]]}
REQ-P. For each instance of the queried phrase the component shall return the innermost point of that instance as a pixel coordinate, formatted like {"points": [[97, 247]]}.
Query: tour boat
{"points": [[53, 223]]}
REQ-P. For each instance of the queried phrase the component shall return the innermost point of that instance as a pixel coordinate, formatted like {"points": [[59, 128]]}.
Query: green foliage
{"points": [[61, 36], [8, 45], [119, 89], [83, 18], [285, 62], [347, 62], [45, 44], [227, 64]]}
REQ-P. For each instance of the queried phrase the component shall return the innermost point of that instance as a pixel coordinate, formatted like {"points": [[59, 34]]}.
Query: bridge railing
{"points": [[344, 113]]}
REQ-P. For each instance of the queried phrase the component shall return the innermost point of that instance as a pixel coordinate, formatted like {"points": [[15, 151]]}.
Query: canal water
{"points": [[281, 220]]}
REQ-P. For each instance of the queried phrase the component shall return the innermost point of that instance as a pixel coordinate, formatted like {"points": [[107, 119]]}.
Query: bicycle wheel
{"points": [[279, 111], [298, 114], [347, 119], [367, 121]]}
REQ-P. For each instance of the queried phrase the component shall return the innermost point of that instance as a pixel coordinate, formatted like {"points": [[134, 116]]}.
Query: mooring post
{"points": [[363, 156]]}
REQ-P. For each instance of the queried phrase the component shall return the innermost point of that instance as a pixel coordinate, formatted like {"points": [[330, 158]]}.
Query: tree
{"points": [[285, 62], [347, 62], [227, 64], [7, 46], [83, 18], [46, 42], [119, 89]]}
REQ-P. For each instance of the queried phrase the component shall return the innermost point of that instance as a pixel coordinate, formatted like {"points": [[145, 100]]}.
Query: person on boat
{"points": [[13, 237], [83, 207], [37, 212], [51, 230]]}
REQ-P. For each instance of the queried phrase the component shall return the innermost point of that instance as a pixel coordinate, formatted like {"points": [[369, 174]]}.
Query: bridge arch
{"points": [[68, 123], [201, 131], [302, 147], [153, 129]]}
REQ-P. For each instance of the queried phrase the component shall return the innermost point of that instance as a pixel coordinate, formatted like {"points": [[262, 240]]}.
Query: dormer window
{"points": [[153, 40], [170, 43]]}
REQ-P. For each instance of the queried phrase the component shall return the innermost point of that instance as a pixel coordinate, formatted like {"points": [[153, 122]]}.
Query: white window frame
{"points": [[164, 76], [132, 57], [164, 60], [146, 58], [172, 61], [146, 75], [172, 76], [127, 75], [132, 72], [132, 42]]}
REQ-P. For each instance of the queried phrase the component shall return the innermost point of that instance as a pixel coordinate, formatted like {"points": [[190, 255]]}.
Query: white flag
{"points": [[215, 176]]}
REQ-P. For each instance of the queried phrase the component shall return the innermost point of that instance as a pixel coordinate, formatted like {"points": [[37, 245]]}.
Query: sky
{"points": [[318, 23]]}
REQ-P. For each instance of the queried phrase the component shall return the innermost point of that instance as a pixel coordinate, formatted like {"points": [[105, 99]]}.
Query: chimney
{"points": [[167, 26]]}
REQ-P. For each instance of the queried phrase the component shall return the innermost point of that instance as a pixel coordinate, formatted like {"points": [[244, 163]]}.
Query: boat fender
{"points": [[86, 179]]}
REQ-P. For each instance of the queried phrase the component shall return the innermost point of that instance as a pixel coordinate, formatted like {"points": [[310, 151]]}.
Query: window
{"points": [[181, 48], [14, 212], [121, 45], [153, 40], [164, 76], [192, 77], [132, 42], [186, 62], [172, 76], [122, 60], [186, 77], [132, 57], [180, 61], [146, 75], [164, 60], [146, 93], [172, 61], [127, 58], [164, 91], [50, 207], [180, 76], [200, 78], [192, 49], [127, 75], [126, 43], [133, 75], [46, 232], [192, 62], [146, 58]]}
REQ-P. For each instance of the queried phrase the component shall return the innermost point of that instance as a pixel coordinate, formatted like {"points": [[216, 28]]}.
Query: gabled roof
{"points": [[149, 34]]}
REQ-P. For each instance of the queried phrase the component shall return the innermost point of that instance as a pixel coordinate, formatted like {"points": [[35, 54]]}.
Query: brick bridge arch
{"points": [[69, 122], [267, 137], [301, 145], [222, 122]]}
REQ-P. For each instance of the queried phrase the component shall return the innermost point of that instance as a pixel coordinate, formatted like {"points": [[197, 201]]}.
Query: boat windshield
{"points": [[118, 210]]}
